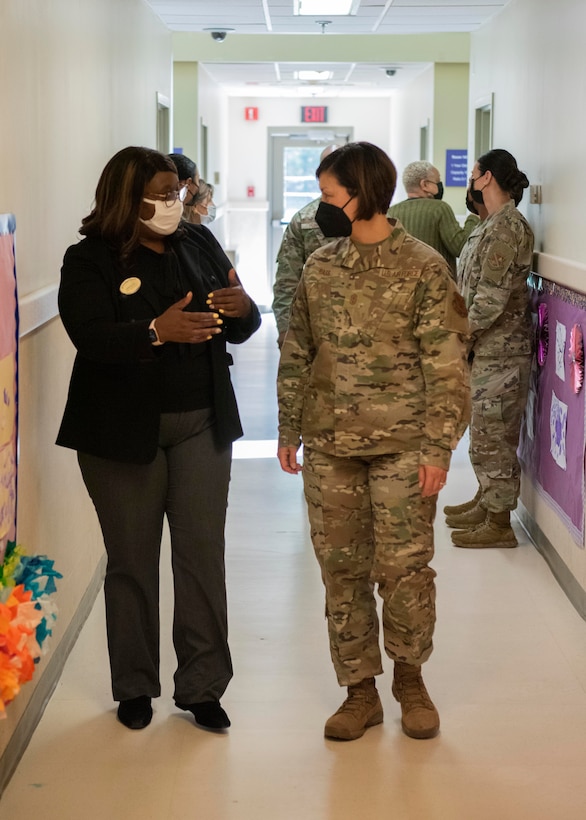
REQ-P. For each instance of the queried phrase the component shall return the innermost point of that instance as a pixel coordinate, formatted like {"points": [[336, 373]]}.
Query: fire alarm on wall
{"points": [[251, 113], [250, 191]]}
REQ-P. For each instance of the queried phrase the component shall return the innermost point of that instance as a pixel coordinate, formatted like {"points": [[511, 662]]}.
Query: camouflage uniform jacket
{"points": [[301, 238], [375, 358], [492, 274]]}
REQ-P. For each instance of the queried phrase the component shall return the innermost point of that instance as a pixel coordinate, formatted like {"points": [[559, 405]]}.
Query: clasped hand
{"points": [[232, 301], [178, 325]]}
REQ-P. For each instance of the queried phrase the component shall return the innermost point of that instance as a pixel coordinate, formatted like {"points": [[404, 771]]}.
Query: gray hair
{"points": [[328, 150], [415, 172], [206, 191]]}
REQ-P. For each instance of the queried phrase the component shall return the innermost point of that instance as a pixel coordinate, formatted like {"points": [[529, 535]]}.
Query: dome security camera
{"points": [[219, 36], [390, 72]]}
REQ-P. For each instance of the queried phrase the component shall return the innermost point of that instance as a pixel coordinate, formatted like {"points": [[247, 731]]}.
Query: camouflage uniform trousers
{"points": [[370, 525], [499, 394]]}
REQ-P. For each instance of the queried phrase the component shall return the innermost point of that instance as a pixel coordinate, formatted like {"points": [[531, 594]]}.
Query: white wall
{"points": [[540, 113], [213, 107], [412, 110], [531, 57], [79, 82], [248, 141]]}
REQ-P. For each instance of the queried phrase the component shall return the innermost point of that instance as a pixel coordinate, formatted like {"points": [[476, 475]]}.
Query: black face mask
{"points": [[439, 194], [470, 203], [332, 220], [477, 196], [190, 199]]}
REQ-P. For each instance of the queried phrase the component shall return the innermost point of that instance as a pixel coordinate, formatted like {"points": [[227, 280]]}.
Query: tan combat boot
{"points": [[458, 509], [496, 531], [471, 518], [361, 709], [419, 716]]}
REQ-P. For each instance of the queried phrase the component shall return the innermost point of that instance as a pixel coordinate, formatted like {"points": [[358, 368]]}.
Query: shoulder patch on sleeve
{"points": [[499, 257], [495, 261]]}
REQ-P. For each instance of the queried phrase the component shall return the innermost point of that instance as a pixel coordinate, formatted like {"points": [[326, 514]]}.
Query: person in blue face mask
{"points": [[425, 216], [149, 302], [204, 208]]}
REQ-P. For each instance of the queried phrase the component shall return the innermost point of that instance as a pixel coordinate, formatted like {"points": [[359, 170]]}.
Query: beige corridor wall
{"points": [[79, 82], [531, 58], [450, 122]]}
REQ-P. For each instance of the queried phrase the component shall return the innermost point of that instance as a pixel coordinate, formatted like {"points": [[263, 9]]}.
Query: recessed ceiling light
{"points": [[314, 76], [312, 8]]}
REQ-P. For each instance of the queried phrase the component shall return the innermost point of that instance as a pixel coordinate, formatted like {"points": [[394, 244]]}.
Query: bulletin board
{"points": [[553, 438], [8, 382], [27, 582]]}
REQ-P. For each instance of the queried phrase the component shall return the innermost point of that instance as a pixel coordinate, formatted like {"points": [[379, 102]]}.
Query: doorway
{"points": [[294, 155], [424, 142], [483, 126], [163, 126]]}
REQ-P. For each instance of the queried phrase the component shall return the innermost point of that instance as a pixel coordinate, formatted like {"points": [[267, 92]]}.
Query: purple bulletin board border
{"points": [[8, 227], [560, 486]]}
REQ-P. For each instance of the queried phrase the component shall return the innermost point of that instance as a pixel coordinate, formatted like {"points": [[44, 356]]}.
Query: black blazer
{"points": [[114, 403]]}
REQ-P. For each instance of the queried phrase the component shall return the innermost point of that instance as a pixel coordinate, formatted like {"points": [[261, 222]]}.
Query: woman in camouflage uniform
{"points": [[492, 274], [373, 380]]}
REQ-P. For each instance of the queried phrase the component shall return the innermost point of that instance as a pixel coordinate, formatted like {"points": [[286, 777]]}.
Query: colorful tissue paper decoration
{"points": [[542, 333], [26, 617], [576, 356]]}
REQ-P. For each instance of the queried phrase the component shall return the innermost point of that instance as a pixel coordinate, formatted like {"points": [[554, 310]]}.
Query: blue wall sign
{"points": [[456, 167]]}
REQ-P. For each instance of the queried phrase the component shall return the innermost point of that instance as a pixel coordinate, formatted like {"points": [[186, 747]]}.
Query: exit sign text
{"points": [[314, 113]]}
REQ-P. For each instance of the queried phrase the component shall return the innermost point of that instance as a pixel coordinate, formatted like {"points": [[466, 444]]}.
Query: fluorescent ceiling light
{"points": [[316, 76], [313, 8]]}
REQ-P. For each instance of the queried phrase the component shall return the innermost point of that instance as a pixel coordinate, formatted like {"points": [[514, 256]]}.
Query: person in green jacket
{"points": [[425, 216]]}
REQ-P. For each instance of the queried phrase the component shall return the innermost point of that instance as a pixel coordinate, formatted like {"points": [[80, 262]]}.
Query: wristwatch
{"points": [[153, 335]]}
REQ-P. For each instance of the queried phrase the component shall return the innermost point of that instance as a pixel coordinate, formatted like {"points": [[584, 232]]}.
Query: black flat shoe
{"points": [[208, 714], [135, 713]]}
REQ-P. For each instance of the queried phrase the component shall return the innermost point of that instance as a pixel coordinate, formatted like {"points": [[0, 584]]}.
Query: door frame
{"points": [[280, 138]]}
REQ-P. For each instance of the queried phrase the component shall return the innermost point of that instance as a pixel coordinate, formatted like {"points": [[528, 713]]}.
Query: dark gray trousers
{"points": [[188, 482]]}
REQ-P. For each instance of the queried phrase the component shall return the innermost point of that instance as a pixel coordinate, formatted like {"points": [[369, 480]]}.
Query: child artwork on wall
{"points": [[558, 425], [560, 347], [8, 382], [553, 437]]}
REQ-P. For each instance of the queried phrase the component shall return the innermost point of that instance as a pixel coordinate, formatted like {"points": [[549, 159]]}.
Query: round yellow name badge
{"points": [[130, 286]]}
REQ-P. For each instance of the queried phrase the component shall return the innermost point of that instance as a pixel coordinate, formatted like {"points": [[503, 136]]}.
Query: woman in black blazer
{"points": [[149, 303]]}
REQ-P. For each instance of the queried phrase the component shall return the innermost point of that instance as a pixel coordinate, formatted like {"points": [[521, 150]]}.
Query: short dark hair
{"points": [[119, 195], [366, 172], [186, 168], [503, 167]]}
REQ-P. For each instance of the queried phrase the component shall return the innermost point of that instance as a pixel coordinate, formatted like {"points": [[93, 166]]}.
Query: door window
{"points": [[299, 182]]}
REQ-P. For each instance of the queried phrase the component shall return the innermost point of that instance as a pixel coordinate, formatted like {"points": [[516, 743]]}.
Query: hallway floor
{"points": [[508, 676]]}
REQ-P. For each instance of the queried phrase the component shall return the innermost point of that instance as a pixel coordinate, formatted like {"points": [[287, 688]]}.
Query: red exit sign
{"points": [[314, 113]]}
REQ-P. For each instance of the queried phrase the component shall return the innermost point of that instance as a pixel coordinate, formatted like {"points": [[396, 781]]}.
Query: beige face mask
{"points": [[166, 218]]}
